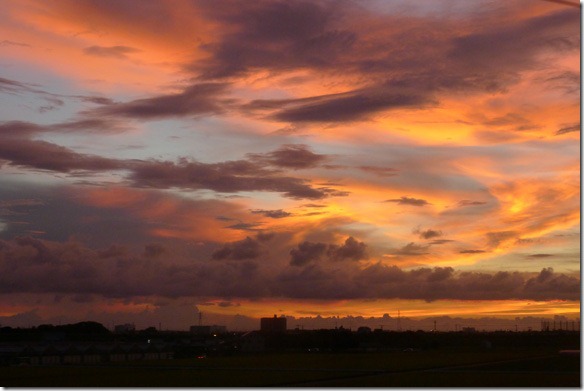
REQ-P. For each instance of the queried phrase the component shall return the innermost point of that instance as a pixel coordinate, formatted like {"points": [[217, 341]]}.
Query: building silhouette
{"points": [[274, 324]]}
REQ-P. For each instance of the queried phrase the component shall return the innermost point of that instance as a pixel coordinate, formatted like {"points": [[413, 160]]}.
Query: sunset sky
{"points": [[252, 158]]}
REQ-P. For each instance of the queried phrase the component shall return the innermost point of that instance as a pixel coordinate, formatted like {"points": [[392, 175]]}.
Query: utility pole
{"points": [[398, 322]]}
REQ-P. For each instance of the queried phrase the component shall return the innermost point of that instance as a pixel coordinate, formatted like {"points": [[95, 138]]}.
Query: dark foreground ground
{"points": [[454, 367]]}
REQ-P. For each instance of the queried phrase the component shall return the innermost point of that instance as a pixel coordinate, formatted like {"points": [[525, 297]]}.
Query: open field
{"points": [[529, 367]]}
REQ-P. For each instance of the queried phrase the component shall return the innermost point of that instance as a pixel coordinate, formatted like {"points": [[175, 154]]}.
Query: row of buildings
{"points": [[74, 353], [275, 324]]}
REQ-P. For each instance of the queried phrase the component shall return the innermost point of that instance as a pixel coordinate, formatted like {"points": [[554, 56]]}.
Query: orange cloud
{"points": [[172, 216]]}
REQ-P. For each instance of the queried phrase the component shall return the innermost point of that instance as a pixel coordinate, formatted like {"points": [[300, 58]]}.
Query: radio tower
{"points": [[398, 322], [200, 318]]}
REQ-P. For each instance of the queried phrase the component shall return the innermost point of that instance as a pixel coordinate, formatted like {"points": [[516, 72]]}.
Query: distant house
{"points": [[50, 356], [274, 324], [9, 354], [81, 353], [90, 355], [72, 355], [134, 352], [150, 351], [116, 354]]}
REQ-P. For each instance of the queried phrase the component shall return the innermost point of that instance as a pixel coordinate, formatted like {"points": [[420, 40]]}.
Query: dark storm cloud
{"points": [[265, 236], [19, 149], [13, 86], [53, 100], [307, 252], [333, 192], [274, 214], [441, 241], [226, 177], [278, 35], [228, 304], [539, 255], [281, 36], [409, 201], [244, 249], [512, 121], [30, 265], [495, 238], [53, 103], [16, 87], [411, 249], [567, 81], [410, 66], [86, 124], [343, 107], [379, 280], [428, 234], [514, 47], [245, 226], [568, 129], [294, 156], [548, 282], [99, 100], [47, 156], [379, 171], [19, 129], [351, 250], [471, 251], [470, 203], [22, 129], [110, 51], [194, 100]]}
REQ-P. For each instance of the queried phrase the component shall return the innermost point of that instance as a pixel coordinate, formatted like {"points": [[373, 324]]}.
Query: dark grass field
{"points": [[502, 367]]}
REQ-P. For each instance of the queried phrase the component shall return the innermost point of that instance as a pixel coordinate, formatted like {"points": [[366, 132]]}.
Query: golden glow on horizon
{"points": [[407, 308]]}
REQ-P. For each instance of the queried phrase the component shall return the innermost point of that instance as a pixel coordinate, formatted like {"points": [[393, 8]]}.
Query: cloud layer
{"points": [[306, 150], [32, 265]]}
